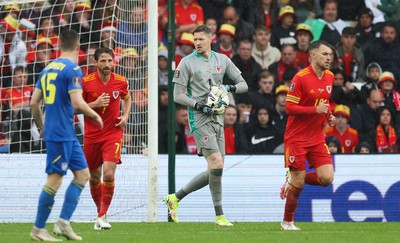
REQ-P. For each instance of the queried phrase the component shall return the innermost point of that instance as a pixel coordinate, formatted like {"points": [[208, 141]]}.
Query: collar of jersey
{"points": [[198, 55]]}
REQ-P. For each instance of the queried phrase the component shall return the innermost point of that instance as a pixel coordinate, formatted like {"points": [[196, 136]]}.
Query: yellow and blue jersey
{"points": [[56, 81]]}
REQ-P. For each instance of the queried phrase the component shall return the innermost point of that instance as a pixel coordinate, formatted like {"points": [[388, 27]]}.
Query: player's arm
{"points": [[81, 106], [235, 75], [102, 101], [36, 102], [126, 108], [180, 96]]}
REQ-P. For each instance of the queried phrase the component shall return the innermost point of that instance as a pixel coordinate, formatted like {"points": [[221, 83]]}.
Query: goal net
{"points": [[29, 40]]}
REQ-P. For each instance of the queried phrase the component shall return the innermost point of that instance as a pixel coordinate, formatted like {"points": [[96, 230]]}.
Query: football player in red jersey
{"points": [[103, 90], [307, 109]]}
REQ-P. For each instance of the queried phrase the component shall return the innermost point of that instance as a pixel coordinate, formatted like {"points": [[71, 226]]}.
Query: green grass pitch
{"points": [[208, 232]]}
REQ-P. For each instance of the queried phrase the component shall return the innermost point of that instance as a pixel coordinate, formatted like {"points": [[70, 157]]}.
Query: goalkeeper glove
{"points": [[200, 106]]}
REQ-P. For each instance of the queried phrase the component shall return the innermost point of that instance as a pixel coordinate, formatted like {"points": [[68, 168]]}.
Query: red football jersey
{"points": [[349, 139], [193, 14], [16, 96], [92, 88], [305, 127]]}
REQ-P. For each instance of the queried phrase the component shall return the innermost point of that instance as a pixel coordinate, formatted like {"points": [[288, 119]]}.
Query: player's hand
{"points": [[122, 121], [331, 120], [322, 108], [103, 100], [97, 119], [200, 106]]}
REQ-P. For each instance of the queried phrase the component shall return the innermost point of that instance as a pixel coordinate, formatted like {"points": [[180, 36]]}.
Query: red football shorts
{"points": [[316, 156], [97, 153]]}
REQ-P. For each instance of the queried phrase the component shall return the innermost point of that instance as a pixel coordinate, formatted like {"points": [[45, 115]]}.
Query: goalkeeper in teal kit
{"points": [[198, 85]]}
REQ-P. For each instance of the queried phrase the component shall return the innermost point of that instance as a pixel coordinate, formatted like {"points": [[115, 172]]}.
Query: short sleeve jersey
{"points": [[348, 140], [117, 89], [198, 75], [308, 90], [17, 96], [56, 81], [193, 14]]}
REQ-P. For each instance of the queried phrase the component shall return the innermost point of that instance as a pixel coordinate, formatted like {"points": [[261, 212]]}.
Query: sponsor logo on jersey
{"points": [[177, 74], [77, 81], [218, 69], [329, 89], [292, 85], [115, 94], [255, 140]]}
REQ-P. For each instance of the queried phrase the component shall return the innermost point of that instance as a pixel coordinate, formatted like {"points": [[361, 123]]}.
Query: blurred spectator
{"points": [[329, 28], [184, 48], [106, 11], [132, 32], [245, 107], [21, 117], [188, 15], [303, 36], [288, 75], [264, 96], [28, 36], [88, 66], [391, 97], [214, 9], [262, 51], [44, 53], [235, 138], [65, 15], [285, 30], [162, 119], [365, 30], [306, 9], [162, 24], [382, 10], [108, 33], [184, 141], [13, 51], [386, 133], [365, 122], [12, 9], [385, 50], [39, 9], [334, 145], [244, 30], [212, 24], [129, 68], [363, 148], [347, 136], [81, 22], [371, 80], [288, 60], [262, 136], [345, 92], [247, 64], [348, 10], [351, 57], [46, 30], [163, 67], [264, 13], [225, 44], [278, 113]]}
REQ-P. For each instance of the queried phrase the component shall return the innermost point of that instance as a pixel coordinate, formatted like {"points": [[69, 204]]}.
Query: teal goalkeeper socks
{"points": [[71, 200], [46, 201]]}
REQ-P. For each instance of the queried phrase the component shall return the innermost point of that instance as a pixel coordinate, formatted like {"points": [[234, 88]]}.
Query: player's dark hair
{"points": [[100, 51], [203, 28], [19, 69], [316, 44], [68, 40]]}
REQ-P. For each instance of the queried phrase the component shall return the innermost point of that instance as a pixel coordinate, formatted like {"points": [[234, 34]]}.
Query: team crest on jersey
{"points": [[193, 17], [115, 94], [291, 159], [329, 89], [218, 69], [177, 74], [205, 139], [347, 142], [77, 81], [292, 87]]}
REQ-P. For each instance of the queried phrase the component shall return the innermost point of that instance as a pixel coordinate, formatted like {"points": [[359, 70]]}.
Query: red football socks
{"points": [[291, 203], [95, 190], [106, 196]]}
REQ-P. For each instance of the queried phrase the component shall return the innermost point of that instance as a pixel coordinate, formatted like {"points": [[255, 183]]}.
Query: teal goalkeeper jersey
{"points": [[56, 81]]}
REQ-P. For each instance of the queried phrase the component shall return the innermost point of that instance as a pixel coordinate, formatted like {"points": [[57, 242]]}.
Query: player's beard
{"points": [[105, 71]]}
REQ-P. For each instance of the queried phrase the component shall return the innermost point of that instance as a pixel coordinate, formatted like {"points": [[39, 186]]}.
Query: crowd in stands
{"points": [[266, 39]]}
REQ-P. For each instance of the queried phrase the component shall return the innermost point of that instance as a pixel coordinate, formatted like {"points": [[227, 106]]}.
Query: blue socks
{"points": [[46, 201], [71, 200]]}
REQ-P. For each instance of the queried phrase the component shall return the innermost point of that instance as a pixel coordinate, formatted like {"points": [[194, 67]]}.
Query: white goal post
{"points": [[129, 27]]}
